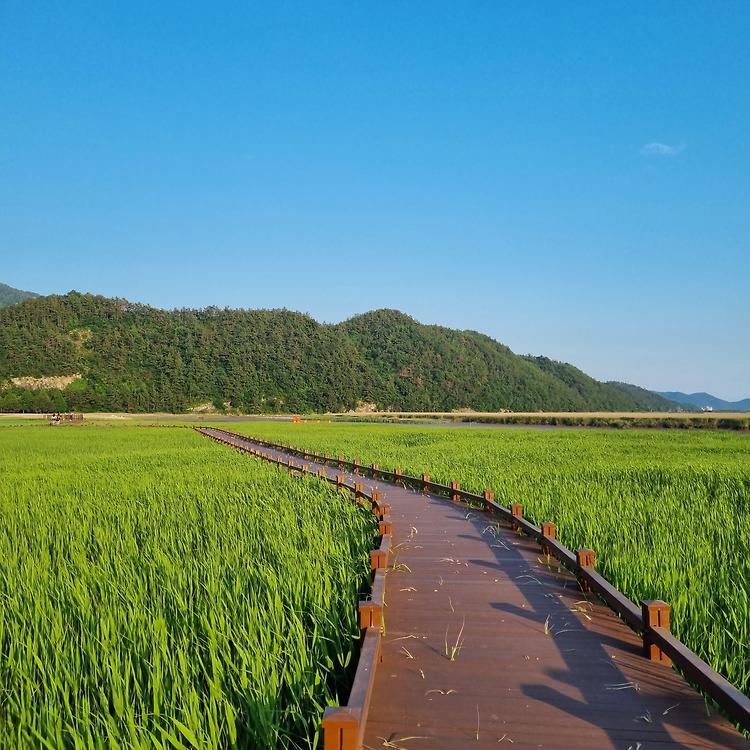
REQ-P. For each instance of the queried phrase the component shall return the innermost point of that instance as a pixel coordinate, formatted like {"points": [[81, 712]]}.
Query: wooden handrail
{"points": [[615, 599], [371, 612], [731, 700], [344, 726]]}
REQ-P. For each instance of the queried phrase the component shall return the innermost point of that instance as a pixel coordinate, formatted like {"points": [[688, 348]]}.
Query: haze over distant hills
{"points": [[706, 400], [106, 354], [10, 296]]}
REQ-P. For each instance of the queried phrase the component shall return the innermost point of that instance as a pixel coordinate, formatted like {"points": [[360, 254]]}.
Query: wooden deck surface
{"points": [[532, 662]]}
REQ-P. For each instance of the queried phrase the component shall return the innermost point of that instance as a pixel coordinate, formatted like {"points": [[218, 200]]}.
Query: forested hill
{"points": [[9, 295], [119, 356]]}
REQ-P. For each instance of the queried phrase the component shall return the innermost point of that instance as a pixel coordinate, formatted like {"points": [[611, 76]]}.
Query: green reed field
{"points": [[667, 513], [158, 590]]}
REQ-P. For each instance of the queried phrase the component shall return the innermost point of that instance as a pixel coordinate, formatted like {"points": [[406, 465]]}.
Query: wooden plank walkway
{"points": [[531, 662]]}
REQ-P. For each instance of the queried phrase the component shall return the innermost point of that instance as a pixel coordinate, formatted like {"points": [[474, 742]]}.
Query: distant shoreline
{"points": [[734, 421]]}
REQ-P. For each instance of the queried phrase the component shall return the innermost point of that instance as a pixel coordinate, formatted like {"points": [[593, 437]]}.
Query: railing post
{"points": [[358, 490], [326, 459], [489, 497], [398, 473], [376, 499], [357, 465], [379, 559], [370, 615], [341, 728], [425, 482], [340, 460], [516, 510], [322, 474], [375, 471], [455, 496], [655, 615], [585, 558], [549, 531], [339, 481]]}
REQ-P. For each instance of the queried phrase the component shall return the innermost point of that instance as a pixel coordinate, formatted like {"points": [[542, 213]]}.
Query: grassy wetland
{"points": [[160, 591], [668, 513]]}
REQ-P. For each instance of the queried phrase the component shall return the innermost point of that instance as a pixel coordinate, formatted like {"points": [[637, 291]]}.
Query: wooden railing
{"points": [[651, 619], [343, 726]]}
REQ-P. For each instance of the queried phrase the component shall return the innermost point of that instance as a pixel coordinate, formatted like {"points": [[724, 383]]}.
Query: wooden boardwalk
{"points": [[486, 645]]}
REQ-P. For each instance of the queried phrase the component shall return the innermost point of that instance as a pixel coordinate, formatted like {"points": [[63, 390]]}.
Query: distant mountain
{"points": [[111, 355], [706, 400], [9, 295]]}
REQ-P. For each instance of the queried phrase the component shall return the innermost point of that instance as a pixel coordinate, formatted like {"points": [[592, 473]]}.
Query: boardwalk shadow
{"points": [[535, 616], [587, 692]]}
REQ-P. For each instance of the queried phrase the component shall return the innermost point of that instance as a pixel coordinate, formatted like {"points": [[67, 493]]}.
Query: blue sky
{"points": [[570, 178]]}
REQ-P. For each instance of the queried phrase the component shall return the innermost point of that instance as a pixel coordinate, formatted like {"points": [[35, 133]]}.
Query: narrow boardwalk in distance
{"points": [[488, 645]]}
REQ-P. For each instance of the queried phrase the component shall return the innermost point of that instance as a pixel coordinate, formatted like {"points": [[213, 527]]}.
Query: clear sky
{"points": [[572, 178]]}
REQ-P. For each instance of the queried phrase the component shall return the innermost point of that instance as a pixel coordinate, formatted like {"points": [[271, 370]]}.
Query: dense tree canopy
{"points": [[138, 358]]}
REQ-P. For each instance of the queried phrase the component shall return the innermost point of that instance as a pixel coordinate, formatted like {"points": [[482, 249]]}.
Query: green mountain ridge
{"points": [[11, 296], [134, 357], [651, 400]]}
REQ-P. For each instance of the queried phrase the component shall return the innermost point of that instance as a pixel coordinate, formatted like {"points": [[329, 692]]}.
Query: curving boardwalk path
{"points": [[532, 662]]}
